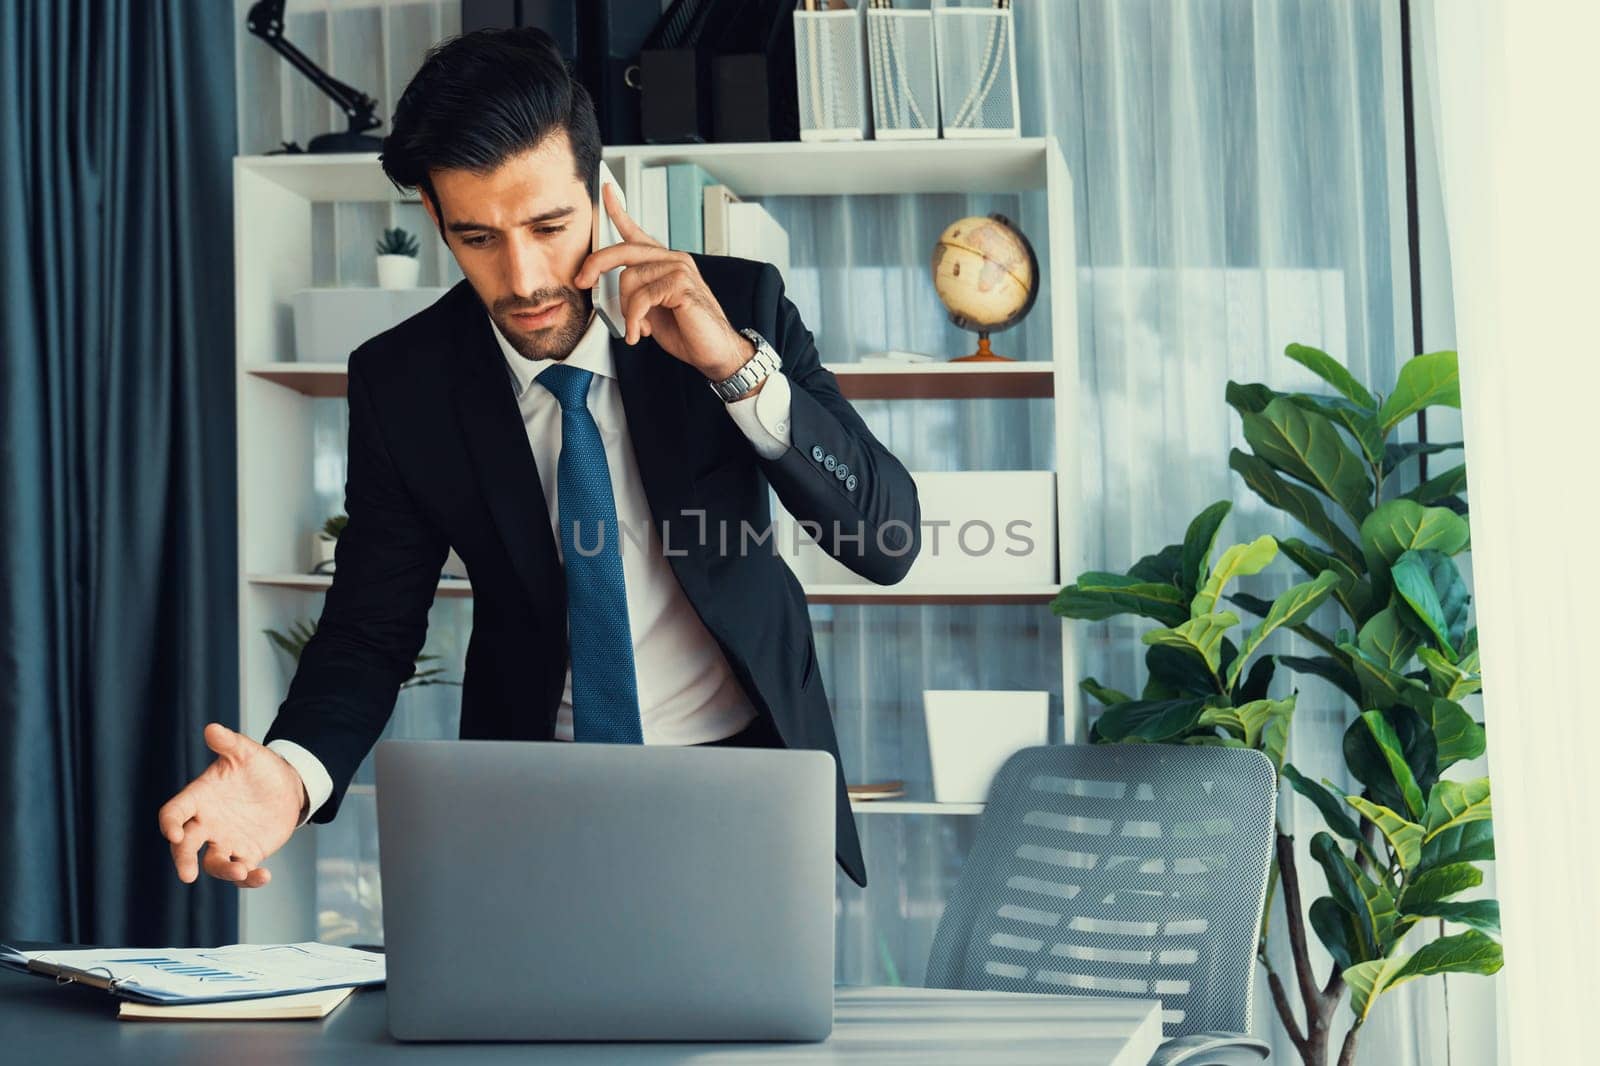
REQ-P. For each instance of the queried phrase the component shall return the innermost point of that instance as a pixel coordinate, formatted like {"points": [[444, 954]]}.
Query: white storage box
{"points": [[986, 527], [971, 733], [329, 324], [977, 59], [831, 73], [905, 90]]}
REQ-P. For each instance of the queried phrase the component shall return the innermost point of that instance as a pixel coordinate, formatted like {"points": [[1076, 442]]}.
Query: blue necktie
{"points": [[605, 695]]}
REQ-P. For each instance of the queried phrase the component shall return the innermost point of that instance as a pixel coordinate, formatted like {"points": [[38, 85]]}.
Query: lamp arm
{"points": [[265, 20]]}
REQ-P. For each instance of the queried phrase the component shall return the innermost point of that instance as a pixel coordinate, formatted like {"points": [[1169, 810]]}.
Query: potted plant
{"points": [[1399, 648], [323, 543], [398, 267]]}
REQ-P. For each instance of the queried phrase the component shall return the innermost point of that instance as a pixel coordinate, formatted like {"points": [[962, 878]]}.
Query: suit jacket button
{"points": [[816, 452], [850, 483], [829, 462], [841, 471]]}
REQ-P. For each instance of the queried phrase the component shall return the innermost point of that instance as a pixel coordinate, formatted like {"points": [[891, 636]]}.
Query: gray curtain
{"points": [[117, 599]]}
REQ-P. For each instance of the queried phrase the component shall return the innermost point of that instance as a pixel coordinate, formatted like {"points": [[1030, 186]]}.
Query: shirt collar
{"points": [[592, 353]]}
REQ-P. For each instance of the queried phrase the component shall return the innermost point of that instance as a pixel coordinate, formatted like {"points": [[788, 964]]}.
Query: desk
{"points": [[927, 1027]]}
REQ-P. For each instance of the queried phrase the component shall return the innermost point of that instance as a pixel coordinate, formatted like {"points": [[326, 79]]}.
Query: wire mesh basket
{"points": [[830, 74], [977, 60], [905, 93]]}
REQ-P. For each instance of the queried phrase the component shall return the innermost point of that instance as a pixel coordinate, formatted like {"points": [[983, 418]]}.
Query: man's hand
{"points": [[242, 809], [664, 297]]}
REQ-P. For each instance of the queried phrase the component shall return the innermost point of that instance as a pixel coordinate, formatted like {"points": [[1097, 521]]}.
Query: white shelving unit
{"points": [[274, 198]]}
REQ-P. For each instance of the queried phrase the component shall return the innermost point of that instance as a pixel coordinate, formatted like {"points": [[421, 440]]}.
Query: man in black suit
{"points": [[607, 496]]}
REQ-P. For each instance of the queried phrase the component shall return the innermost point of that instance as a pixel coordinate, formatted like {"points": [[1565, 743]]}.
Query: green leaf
{"points": [[1240, 560], [1300, 504], [1359, 422], [1224, 718], [1331, 807], [1452, 804], [1202, 635], [1480, 914], [1404, 836], [1378, 759], [1157, 721], [1380, 686], [1467, 843], [1306, 446], [1432, 587], [1369, 903], [1107, 696], [1429, 885], [1176, 673], [1452, 482], [1290, 609], [1329, 669], [1431, 380], [1399, 526], [1101, 595], [1337, 930], [1468, 952], [1452, 680], [1198, 542], [1162, 568], [1397, 455], [1354, 593], [1266, 726], [1333, 372], [1456, 734], [1248, 399], [1386, 641], [1257, 681]]}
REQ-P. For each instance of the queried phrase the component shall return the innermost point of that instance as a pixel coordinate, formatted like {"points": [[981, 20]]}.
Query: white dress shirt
{"points": [[687, 692]]}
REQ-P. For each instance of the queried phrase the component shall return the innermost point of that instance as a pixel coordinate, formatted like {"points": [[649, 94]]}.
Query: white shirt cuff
{"points": [[319, 786], [764, 417]]}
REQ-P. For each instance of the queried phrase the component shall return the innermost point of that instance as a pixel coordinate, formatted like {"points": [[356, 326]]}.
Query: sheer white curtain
{"points": [[1514, 86]]}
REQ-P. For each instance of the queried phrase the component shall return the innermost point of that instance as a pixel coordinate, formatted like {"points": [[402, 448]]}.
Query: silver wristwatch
{"points": [[760, 366]]}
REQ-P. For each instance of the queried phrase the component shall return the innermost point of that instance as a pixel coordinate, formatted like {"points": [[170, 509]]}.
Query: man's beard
{"points": [[551, 342]]}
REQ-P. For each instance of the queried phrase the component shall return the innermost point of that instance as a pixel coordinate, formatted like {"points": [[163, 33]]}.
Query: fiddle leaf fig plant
{"points": [[1395, 641]]}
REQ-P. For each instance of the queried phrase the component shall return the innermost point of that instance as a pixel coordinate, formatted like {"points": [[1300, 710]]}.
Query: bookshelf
{"points": [[275, 203]]}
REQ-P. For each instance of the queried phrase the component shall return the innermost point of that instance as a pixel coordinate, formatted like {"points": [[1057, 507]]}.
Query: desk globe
{"points": [[987, 277]]}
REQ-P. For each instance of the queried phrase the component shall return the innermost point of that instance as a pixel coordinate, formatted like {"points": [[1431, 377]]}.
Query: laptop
{"points": [[576, 892]]}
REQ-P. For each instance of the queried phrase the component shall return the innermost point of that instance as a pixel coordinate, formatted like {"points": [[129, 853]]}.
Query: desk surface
{"points": [[930, 1027]]}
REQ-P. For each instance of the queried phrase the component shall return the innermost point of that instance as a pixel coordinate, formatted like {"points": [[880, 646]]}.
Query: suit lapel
{"points": [[491, 423], [652, 398]]}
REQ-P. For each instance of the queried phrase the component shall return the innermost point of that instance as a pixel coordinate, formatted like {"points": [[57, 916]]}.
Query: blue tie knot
{"points": [[570, 385]]}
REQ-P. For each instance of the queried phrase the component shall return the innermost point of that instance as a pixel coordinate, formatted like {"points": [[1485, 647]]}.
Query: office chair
{"points": [[1121, 870]]}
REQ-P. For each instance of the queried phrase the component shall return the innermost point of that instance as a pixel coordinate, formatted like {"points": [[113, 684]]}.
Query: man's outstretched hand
{"points": [[242, 808]]}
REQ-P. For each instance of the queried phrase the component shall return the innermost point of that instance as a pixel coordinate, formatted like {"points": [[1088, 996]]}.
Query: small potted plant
{"points": [[323, 543], [398, 266]]}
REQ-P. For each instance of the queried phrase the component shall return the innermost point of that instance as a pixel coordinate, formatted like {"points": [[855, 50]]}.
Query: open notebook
{"points": [[186, 976], [271, 1008]]}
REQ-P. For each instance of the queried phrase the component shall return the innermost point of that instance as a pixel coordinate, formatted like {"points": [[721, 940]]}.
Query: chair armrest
{"points": [[1212, 1049]]}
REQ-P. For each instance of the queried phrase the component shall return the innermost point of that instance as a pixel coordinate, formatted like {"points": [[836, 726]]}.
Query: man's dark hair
{"points": [[481, 98]]}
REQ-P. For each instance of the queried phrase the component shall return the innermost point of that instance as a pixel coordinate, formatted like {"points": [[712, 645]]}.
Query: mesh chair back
{"points": [[1131, 869]]}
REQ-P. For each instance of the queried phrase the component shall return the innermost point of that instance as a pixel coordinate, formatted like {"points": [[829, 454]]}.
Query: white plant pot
{"points": [[322, 550], [398, 271], [972, 732]]}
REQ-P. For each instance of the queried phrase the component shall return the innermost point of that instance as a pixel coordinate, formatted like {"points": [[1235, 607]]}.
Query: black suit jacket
{"points": [[439, 458]]}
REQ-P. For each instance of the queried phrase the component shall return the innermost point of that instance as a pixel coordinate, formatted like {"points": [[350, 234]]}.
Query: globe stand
{"points": [[983, 354]]}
